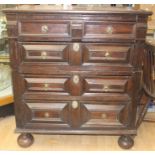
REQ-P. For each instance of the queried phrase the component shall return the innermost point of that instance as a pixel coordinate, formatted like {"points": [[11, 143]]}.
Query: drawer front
{"points": [[42, 30], [76, 54], [44, 53], [46, 84], [106, 115], [94, 30], [78, 114], [70, 30], [107, 84], [104, 53], [77, 87]]}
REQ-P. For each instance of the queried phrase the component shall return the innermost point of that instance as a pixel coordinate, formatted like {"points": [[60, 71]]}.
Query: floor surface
{"points": [[145, 140]]}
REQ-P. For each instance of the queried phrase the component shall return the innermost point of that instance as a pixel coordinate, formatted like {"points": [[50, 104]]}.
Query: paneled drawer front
{"points": [[104, 53], [63, 30], [78, 114], [81, 84], [44, 53], [102, 115], [42, 30], [46, 84], [77, 86], [108, 30], [76, 54], [107, 84], [46, 111]]}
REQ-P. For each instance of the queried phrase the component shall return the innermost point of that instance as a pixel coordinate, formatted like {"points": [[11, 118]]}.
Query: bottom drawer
{"points": [[76, 115]]}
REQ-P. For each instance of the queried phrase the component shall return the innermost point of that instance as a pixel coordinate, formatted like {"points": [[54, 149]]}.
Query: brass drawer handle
{"points": [[104, 116], [76, 79], [46, 85], [44, 28], [107, 54], [46, 114], [76, 47], [44, 55], [75, 104], [109, 30], [105, 88]]}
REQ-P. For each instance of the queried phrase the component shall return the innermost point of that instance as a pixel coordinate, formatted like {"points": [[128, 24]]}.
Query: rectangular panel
{"points": [[104, 53], [106, 115], [44, 52], [41, 30], [106, 30], [107, 84], [46, 112], [45, 84]]}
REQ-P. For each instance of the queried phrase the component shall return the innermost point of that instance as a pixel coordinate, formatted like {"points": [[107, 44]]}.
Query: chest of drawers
{"points": [[76, 70]]}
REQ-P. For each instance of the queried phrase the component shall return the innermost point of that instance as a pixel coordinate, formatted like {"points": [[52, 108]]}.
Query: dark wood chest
{"points": [[76, 70]]}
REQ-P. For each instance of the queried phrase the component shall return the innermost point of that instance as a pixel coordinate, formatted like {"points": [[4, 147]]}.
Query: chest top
{"points": [[76, 9], [76, 23]]}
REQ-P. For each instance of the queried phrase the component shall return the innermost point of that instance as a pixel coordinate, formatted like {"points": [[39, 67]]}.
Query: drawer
{"points": [[51, 53], [107, 53], [46, 112], [106, 115], [78, 114], [57, 30], [70, 30], [76, 54], [77, 87], [99, 31]]}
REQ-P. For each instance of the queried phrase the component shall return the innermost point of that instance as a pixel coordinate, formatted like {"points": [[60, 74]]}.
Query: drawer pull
{"points": [[75, 104], [46, 85], [44, 55], [107, 54], [76, 79], [105, 88], [76, 47], [44, 28], [104, 116], [109, 30], [46, 114]]}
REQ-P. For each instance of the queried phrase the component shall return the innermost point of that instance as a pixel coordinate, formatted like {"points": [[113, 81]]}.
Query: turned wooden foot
{"points": [[125, 142], [25, 140]]}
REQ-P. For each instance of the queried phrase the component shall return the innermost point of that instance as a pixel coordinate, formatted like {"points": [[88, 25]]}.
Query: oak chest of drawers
{"points": [[76, 70]]}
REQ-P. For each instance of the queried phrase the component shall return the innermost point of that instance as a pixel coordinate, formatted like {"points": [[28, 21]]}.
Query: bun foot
{"points": [[125, 142], [25, 140]]}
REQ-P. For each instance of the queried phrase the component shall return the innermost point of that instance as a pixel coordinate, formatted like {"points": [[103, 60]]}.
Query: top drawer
{"points": [[43, 30], [70, 30], [108, 31]]}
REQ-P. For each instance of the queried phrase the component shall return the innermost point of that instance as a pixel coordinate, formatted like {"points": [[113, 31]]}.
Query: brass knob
{"points": [[44, 54], [46, 85], [107, 54], [76, 79], [75, 104], [109, 30], [46, 114], [105, 88], [104, 116], [44, 28], [76, 47]]}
